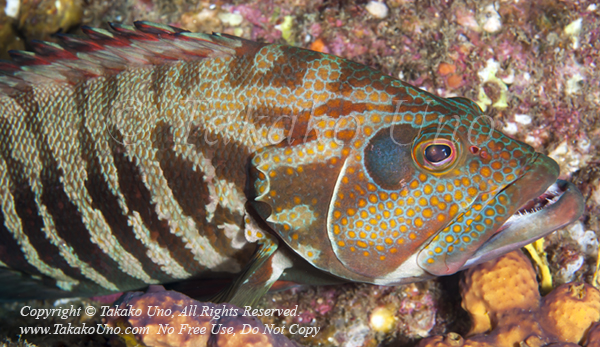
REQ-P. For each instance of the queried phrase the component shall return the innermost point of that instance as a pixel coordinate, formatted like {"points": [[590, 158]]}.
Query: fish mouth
{"points": [[543, 203], [559, 205]]}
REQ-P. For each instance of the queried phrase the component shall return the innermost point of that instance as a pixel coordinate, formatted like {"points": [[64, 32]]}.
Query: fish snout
{"points": [[540, 173]]}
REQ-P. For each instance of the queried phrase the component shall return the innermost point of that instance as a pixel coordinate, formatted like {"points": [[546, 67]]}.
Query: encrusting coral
{"points": [[506, 309], [496, 287], [570, 309]]}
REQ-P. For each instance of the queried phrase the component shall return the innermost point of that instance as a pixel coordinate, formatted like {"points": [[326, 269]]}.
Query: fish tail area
{"points": [[105, 52]]}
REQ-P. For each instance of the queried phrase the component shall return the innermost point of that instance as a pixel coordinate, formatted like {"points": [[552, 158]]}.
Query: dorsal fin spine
{"points": [[156, 28], [107, 52]]}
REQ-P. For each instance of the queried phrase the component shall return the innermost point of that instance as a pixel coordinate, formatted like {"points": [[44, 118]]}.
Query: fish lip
{"points": [[544, 173], [556, 195], [559, 205]]}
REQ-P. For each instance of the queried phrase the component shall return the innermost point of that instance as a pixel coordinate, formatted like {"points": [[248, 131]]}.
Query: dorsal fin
{"points": [[156, 28], [106, 52], [51, 50], [25, 58]]}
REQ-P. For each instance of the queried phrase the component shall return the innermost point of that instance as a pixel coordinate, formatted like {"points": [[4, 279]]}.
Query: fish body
{"points": [[152, 155]]}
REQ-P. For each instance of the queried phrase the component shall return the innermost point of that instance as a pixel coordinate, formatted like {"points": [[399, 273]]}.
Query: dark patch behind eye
{"points": [[387, 160]]}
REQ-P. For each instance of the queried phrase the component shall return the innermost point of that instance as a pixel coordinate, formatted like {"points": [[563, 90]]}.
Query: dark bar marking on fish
{"points": [[241, 72], [139, 199], [180, 175], [67, 219], [227, 157], [10, 251], [98, 188], [189, 189], [282, 73], [26, 207], [107, 203], [70, 227]]}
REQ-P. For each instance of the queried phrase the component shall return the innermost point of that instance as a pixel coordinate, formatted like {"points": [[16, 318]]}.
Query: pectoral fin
{"points": [[265, 267]]}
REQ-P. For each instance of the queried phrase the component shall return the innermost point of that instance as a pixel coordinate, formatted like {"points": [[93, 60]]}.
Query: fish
{"points": [[147, 154]]}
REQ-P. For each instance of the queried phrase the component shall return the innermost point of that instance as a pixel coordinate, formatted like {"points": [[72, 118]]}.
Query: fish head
{"points": [[493, 194], [411, 195]]}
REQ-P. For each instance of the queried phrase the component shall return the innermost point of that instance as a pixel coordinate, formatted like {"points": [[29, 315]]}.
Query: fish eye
{"points": [[436, 154]]}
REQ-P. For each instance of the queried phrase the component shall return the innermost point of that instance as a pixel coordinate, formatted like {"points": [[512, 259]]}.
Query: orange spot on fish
{"points": [[485, 171]]}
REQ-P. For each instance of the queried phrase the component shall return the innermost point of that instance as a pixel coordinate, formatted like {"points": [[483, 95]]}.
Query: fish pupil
{"points": [[437, 153]]}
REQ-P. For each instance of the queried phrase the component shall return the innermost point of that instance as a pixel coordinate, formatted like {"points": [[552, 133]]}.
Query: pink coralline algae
{"points": [[161, 318]]}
